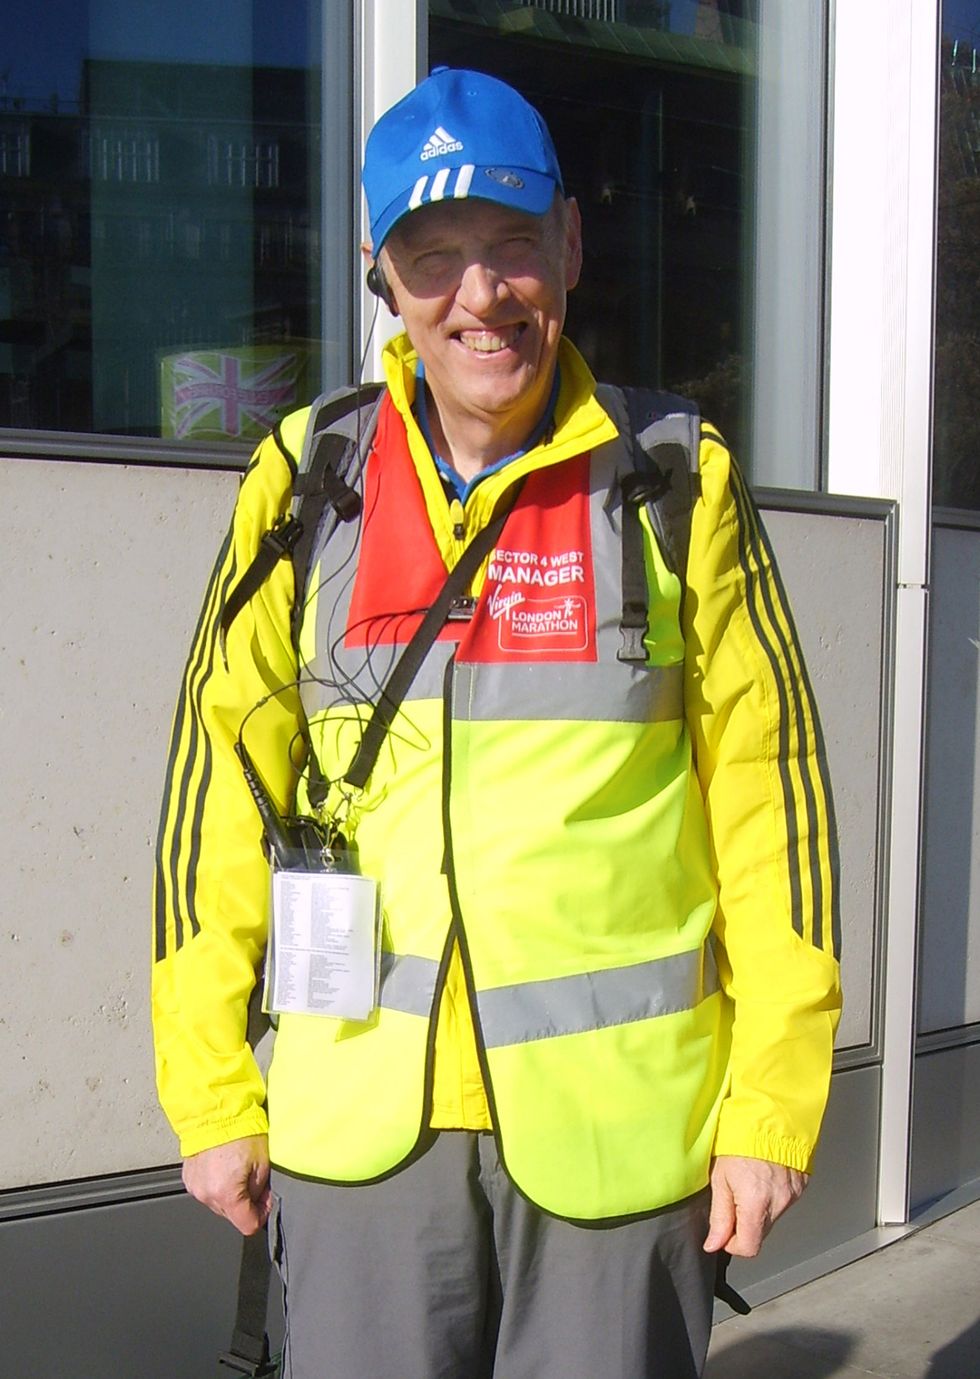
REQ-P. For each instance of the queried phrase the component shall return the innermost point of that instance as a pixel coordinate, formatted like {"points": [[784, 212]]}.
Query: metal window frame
{"points": [[101, 448], [394, 55]]}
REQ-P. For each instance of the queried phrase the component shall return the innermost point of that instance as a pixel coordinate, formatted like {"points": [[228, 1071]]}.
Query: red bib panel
{"points": [[538, 600]]}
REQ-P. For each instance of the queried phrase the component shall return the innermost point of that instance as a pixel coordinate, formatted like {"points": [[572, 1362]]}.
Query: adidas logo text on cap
{"points": [[438, 143]]}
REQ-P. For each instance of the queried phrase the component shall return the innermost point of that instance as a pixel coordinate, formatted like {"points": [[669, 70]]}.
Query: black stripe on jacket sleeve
{"points": [[811, 797], [180, 763]]}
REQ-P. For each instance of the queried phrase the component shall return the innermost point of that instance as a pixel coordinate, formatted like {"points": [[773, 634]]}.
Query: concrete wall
{"points": [[102, 568]]}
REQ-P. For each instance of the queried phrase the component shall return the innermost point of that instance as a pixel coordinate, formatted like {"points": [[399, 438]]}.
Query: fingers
{"points": [[248, 1216], [721, 1221], [232, 1180], [753, 1226], [747, 1196]]}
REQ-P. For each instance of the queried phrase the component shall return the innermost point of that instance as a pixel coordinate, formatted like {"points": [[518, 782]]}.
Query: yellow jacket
{"points": [[759, 764]]}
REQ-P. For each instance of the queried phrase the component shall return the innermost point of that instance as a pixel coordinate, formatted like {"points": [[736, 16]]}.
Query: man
{"points": [[602, 1043]]}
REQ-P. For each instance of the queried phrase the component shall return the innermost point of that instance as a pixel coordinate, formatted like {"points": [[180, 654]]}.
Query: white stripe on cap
{"points": [[415, 200], [463, 180], [439, 184]]}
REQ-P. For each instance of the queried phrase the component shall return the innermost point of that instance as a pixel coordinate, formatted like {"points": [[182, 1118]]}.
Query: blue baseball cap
{"points": [[458, 135]]}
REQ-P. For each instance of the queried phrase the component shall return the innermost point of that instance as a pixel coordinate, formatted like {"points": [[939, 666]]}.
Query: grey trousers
{"points": [[445, 1272]]}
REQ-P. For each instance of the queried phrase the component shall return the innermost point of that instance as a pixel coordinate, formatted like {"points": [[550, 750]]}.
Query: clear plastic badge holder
{"points": [[324, 951]]}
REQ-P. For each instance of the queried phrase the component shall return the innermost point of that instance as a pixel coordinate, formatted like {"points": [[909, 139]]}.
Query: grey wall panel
{"points": [[839, 1203], [949, 979], [834, 571], [945, 1122], [102, 569], [142, 1291]]}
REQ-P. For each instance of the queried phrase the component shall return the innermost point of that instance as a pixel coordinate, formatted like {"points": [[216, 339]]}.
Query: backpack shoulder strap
{"points": [[662, 432], [666, 431], [338, 439], [249, 1350], [338, 436]]}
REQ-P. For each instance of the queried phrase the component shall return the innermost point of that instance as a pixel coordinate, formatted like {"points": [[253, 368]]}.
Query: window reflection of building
{"points": [[123, 155], [173, 207], [166, 203], [15, 151], [956, 445], [653, 127], [242, 162]]}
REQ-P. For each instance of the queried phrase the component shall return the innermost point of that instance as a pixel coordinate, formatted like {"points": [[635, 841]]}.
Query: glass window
{"points": [[691, 134], [956, 435], [161, 225]]}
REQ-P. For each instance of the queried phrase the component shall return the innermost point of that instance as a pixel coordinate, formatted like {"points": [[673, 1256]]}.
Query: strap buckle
{"points": [[645, 488], [282, 538], [634, 643], [322, 476], [265, 1367], [461, 609]]}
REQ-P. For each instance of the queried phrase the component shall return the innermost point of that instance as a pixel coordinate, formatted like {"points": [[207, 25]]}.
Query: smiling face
{"points": [[481, 289]]}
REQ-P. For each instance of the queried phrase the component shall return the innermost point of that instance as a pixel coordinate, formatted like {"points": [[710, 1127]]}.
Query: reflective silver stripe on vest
{"points": [[596, 1000], [583, 694], [408, 983]]}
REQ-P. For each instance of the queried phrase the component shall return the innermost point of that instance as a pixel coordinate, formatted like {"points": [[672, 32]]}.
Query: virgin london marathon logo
{"points": [[530, 624]]}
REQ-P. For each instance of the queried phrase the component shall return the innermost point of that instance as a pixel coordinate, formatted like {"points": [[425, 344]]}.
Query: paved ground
{"points": [[911, 1311]]}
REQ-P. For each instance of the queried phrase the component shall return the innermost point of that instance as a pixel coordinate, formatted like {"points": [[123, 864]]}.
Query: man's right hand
{"points": [[233, 1180]]}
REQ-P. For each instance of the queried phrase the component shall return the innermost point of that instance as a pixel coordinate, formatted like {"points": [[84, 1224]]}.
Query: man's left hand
{"points": [[747, 1196]]}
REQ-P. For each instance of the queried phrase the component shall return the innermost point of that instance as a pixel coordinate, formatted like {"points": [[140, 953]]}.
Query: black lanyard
{"points": [[409, 663]]}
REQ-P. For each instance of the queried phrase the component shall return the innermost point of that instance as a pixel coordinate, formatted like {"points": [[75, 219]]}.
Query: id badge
{"points": [[324, 953]]}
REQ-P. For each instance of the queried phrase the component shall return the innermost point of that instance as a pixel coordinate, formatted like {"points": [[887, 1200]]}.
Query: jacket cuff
{"points": [[776, 1149], [213, 1133]]}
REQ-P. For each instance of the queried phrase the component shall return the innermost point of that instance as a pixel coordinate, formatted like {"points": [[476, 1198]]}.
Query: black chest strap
{"points": [[638, 490], [398, 683]]}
